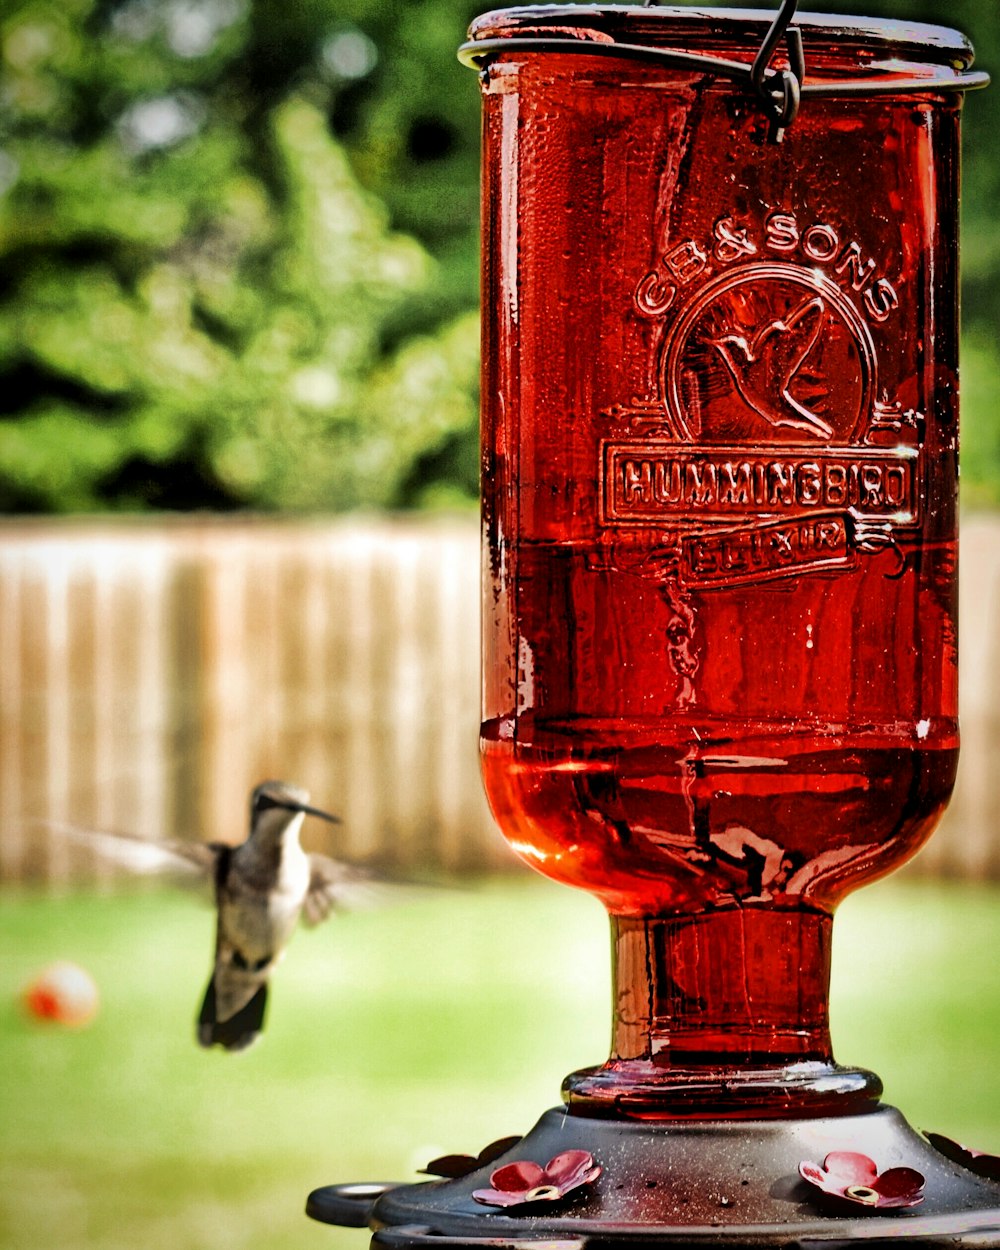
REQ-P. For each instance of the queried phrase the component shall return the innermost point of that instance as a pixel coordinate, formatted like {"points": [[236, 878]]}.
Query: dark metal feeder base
{"points": [[702, 1185]]}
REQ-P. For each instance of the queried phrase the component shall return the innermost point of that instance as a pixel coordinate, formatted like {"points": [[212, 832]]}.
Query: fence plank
{"points": [[967, 843], [152, 672], [13, 679]]}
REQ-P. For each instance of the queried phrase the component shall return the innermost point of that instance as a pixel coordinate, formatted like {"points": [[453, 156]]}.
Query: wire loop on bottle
{"points": [[779, 92], [780, 104]]}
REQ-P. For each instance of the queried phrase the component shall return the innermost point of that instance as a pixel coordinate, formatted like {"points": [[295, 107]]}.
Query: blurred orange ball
{"points": [[63, 993]]}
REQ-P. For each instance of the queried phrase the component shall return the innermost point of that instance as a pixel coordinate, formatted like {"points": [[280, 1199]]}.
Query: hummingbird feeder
{"points": [[719, 454]]}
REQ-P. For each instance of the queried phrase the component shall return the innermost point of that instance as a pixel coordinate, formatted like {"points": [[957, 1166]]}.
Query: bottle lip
{"points": [[657, 22], [844, 54]]}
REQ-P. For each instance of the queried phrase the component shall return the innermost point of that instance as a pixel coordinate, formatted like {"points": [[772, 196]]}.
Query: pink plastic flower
{"points": [[977, 1161], [521, 1182], [854, 1178]]}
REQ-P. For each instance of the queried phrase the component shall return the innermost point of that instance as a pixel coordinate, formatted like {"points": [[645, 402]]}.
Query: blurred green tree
{"points": [[200, 305], [238, 253]]}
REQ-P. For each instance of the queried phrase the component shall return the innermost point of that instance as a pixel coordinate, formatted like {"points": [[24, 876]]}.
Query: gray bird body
{"points": [[259, 906]]}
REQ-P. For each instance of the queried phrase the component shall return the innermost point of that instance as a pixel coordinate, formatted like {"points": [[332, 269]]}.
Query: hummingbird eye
{"points": [[263, 802]]}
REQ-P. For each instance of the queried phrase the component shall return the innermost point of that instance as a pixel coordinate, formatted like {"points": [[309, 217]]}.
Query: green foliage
{"points": [[238, 247], [201, 304]]}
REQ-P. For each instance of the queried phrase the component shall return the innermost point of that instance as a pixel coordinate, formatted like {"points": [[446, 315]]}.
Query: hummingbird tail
{"points": [[240, 1030]]}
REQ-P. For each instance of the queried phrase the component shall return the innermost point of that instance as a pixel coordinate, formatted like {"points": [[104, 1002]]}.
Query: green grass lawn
{"points": [[394, 1036]]}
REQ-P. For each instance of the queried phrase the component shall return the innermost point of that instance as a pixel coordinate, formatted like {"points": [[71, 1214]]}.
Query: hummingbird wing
{"points": [[336, 886], [140, 854], [786, 343], [333, 886]]}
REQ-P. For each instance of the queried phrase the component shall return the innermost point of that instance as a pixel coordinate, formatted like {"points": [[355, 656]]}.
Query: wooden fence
{"points": [[151, 673]]}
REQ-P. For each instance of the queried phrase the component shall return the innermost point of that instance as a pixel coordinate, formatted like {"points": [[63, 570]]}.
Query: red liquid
{"points": [[719, 454], [656, 826], [821, 759]]}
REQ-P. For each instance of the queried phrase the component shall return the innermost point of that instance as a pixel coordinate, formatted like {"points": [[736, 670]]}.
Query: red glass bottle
{"points": [[720, 434]]}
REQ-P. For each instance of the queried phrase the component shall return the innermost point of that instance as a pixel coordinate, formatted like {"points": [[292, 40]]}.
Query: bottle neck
{"points": [[743, 984], [721, 1014]]}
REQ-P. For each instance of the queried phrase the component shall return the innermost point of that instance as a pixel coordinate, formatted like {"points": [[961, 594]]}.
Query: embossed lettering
{"points": [[782, 483], [667, 487], [701, 482], [774, 549], [881, 299], [686, 261], [653, 296], [637, 481], [810, 484], [732, 242], [735, 483], [835, 485], [821, 243], [850, 263], [871, 485], [657, 292], [781, 543], [894, 485], [830, 534], [782, 232], [645, 483]]}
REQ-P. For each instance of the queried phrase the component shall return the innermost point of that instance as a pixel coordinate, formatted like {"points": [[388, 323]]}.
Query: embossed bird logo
{"points": [[764, 367]]}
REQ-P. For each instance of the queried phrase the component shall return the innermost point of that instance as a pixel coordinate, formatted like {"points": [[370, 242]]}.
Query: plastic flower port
{"points": [[453, 1166], [977, 1161], [524, 1182], [853, 1178]]}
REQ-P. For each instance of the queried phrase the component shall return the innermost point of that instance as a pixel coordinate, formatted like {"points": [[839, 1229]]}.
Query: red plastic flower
{"points": [[854, 1178], [977, 1161], [521, 1182]]}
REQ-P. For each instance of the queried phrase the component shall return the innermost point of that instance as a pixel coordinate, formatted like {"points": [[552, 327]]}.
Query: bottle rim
{"points": [[844, 55]]}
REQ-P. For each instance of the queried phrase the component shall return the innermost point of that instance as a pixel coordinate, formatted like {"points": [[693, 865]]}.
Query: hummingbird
{"points": [[262, 887]]}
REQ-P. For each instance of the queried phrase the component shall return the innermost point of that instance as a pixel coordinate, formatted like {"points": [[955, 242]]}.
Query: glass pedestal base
{"points": [[640, 1089], [705, 1184]]}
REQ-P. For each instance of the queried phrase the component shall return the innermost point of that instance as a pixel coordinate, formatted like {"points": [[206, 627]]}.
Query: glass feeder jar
{"points": [[719, 467]]}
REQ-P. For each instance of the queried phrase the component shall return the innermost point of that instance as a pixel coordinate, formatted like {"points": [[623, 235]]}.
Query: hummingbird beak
{"points": [[312, 811]]}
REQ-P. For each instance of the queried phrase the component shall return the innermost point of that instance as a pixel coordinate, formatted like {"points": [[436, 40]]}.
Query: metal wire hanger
{"points": [[779, 93]]}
